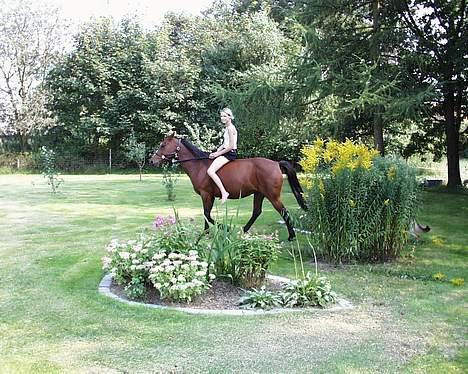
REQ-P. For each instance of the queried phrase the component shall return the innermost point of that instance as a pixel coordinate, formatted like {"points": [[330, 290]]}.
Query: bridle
{"points": [[174, 156]]}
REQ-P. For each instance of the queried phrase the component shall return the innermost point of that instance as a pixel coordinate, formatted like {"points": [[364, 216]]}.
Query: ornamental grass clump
{"points": [[360, 204]]}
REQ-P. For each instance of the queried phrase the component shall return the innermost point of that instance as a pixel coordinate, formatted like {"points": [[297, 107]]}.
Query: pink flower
{"points": [[158, 222]]}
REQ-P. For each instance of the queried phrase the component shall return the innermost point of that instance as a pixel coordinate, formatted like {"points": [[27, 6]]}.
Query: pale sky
{"points": [[150, 12]]}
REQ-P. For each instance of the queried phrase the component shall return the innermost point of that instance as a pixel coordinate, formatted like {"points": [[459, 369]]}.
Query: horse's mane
{"points": [[195, 151]]}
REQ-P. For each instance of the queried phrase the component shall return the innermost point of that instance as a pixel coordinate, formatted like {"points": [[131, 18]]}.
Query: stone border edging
{"points": [[105, 289]]}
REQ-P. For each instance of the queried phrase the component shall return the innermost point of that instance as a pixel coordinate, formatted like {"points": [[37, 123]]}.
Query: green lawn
{"points": [[52, 318]]}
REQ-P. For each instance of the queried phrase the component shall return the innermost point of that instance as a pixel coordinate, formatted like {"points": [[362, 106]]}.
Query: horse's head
{"points": [[168, 150]]}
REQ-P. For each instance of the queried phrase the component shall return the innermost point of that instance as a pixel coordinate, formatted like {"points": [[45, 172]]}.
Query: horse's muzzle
{"points": [[155, 160]]}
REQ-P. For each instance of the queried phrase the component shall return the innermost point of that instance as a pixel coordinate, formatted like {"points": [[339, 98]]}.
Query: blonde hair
{"points": [[228, 112]]}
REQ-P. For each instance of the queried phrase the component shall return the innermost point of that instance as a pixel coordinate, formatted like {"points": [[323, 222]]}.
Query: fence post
{"points": [[110, 160]]}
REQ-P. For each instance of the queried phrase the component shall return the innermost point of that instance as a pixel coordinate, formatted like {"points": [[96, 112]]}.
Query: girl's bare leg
{"points": [[214, 167]]}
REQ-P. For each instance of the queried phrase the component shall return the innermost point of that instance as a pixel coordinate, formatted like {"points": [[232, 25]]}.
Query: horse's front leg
{"points": [[257, 210], [208, 201]]}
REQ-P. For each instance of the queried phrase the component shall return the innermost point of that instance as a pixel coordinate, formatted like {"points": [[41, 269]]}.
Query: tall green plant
{"points": [[49, 168], [361, 206], [169, 180]]}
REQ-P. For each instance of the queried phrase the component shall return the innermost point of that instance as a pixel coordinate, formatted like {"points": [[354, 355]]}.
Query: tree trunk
{"points": [[375, 52], [378, 133], [452, 135]]}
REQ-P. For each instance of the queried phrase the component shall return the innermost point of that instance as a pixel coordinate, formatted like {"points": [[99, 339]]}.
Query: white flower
{"points": [[182, 256], [158, 285], [106, 261], [212, 276], [197, 282], [159, 256], [181, 278], [131, 242], [166, 262], [133, 255], [169, 268], [157, 269], [138, 247], [204, 264], [133, 267], [124, 255], [140, 267], [185, 266], [194, 263], [200, 273], [177, 263], [193, 253], [173, 255], [135, 261], [173, 280]]}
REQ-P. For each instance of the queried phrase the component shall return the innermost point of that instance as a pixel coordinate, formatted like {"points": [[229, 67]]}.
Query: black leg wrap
{"points": [[287, 219]]}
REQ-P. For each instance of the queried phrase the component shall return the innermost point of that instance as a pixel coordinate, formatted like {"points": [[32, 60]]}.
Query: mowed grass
{"points": [[53, 320]]}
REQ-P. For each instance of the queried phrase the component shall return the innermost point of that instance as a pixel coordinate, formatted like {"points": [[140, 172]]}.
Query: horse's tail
{"points": [[293, 182]]}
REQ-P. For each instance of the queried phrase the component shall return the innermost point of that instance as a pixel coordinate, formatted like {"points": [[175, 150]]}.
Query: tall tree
{"points": [[30, 40], [437, 46]]}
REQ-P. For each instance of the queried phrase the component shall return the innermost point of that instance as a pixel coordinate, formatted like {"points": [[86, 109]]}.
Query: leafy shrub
{"points": [[131, 262], [49, 168], [179, 277], [242, 257], [360, 205], [308, 291], [262, 299], [254, 255]]}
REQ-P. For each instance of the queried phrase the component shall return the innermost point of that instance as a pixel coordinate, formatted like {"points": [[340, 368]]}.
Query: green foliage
{"points": [[254, 255], [243, 258], [360, 213], [308, 291], [261, 298], [169, 180], [165, 256], [135, 151], [49, 168]]}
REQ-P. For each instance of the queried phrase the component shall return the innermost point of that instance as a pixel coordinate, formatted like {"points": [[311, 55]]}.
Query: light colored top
{"points": [[226, 143]]}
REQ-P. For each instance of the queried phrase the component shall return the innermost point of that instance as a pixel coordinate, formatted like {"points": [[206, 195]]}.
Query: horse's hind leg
{"points": [[208, 201], [278, 205], [257, 210]]}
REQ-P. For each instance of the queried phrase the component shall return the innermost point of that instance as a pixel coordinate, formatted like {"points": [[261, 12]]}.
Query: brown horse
{"points": [[258, 176]]}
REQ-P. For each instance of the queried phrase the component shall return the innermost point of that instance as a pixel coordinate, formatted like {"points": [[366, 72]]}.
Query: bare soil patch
{"points": [[221, 296]]}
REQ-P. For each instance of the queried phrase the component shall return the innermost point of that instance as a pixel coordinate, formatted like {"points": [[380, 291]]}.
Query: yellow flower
{"points": [[319, 143], [321, 187], [439, 276], [457, 281], [391, 172], [387, 202], [352, 203], [437, 241]]}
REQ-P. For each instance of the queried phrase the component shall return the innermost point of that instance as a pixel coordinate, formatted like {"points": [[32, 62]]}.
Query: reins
{"points": [[175, 161]]}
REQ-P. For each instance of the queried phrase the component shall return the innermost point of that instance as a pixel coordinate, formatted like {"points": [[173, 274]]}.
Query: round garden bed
{"points": [[221, 298]]}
